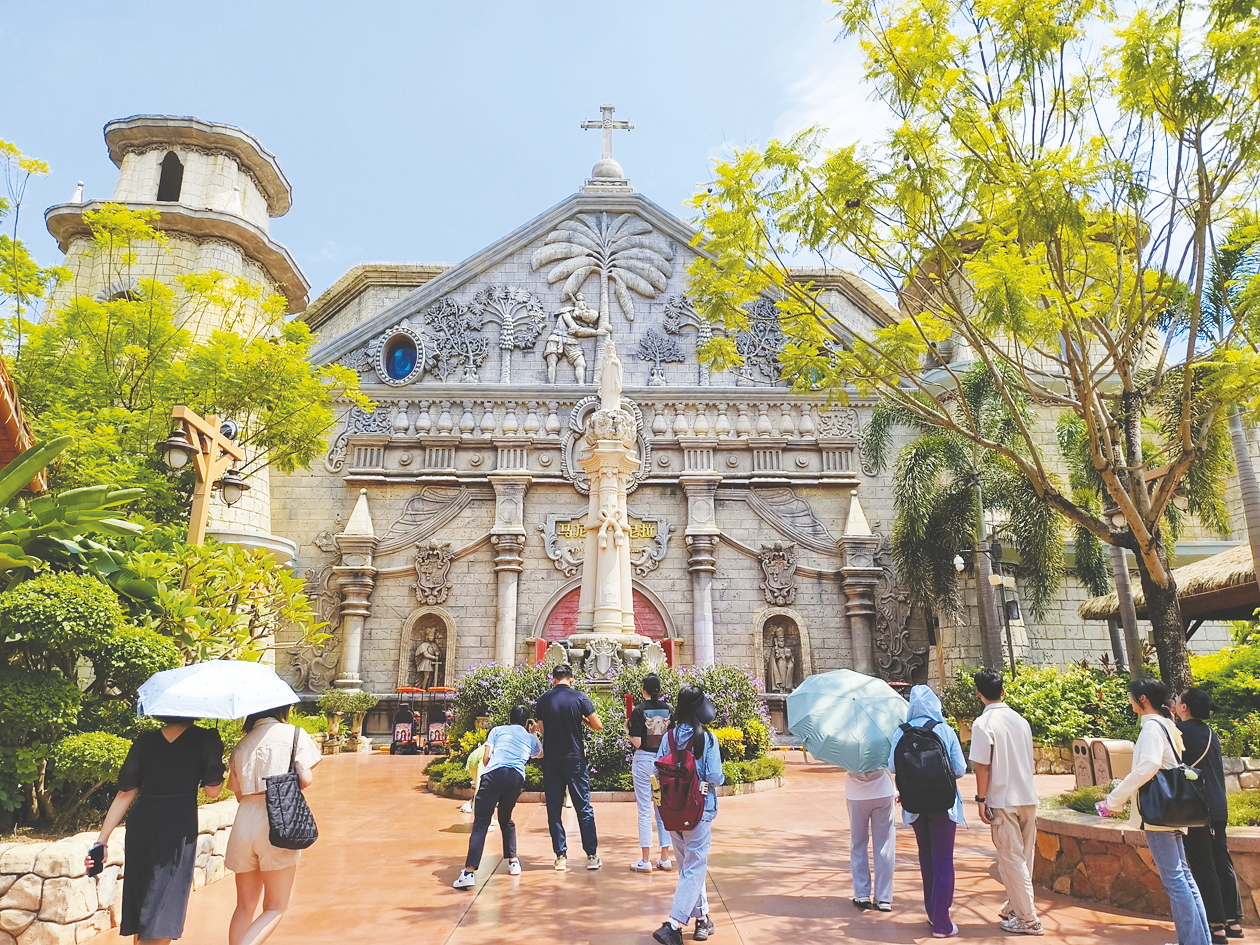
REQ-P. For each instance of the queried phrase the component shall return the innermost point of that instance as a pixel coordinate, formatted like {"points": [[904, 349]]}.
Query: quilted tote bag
{"points": [[1171, 798], [288, 816]]}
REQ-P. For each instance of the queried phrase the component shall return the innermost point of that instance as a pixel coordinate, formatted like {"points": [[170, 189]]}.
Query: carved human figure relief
{"points": [[778, 565], [313, 668], [573, 323], [433, 566]]}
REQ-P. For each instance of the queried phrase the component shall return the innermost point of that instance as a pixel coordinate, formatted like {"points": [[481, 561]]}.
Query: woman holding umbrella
{"points": [[164, 768], [263, 871]]}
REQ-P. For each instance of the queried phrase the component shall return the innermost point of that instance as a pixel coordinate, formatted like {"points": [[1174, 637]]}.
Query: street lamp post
{"points": [[208, 443]]}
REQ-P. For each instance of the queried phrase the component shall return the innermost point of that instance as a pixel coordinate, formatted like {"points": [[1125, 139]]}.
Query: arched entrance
{"points": [[561, 620]]}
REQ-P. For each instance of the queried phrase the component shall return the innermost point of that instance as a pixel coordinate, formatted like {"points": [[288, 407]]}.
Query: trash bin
{"points": [[1113, 758], [1082, 762]]}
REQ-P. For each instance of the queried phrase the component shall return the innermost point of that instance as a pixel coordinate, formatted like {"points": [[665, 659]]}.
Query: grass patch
{"points": [[759, 769], [1244, 808]]}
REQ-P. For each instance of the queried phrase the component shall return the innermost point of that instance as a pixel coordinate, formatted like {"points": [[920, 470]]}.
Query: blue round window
{"points": [[400, 357]]}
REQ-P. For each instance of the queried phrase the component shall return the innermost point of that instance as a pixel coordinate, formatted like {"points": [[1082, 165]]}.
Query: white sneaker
{"points": [[665, 865], [593, 862], [465, 879], [514, 867], [561, 864], [641, 866], [467, 808], [1018, 925], [950, 934]]}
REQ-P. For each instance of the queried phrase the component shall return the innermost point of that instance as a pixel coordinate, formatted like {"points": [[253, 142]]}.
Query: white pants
{"points": [[642, 767], [691, 900], [872, 819]]}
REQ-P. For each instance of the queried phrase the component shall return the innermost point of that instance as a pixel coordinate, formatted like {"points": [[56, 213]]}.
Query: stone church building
{"points": [[446, 528]]}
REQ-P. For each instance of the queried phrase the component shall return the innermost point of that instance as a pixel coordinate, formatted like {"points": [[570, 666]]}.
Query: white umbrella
{"points": [[216, 689]]}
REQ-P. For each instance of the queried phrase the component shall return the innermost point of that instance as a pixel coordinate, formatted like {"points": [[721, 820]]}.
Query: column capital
{"points": [[859, 550], [509, 502], [508, 548]]}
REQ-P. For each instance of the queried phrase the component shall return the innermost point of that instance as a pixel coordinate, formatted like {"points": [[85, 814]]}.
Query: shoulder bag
{"points": [[1174, 797], [288, 816]]}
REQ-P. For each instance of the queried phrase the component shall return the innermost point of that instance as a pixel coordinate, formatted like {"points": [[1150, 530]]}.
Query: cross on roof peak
{"points": [[607, 170]]}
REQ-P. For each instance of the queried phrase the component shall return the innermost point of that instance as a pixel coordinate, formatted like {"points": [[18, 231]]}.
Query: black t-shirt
{"points": [[561, 710], [1197, 735], [648, 721], [163, 768]]}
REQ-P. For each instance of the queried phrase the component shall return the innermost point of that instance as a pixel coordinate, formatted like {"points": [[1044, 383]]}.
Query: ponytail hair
{"points": [[652, 685]]}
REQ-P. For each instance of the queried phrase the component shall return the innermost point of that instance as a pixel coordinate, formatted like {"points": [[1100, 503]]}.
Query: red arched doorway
{"points": [[562, 621]]}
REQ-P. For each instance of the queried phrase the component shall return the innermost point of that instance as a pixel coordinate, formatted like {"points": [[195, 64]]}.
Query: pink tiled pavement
{"points": [[389, 850]]}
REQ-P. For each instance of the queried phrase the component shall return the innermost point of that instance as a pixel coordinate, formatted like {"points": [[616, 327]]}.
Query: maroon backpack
{"points": [[681, 804]]}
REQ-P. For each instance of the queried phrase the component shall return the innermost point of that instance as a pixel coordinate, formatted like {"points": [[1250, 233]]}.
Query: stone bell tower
{"points": [[215, 187]]}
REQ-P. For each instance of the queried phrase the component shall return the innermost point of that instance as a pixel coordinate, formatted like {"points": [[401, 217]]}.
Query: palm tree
{"points": [[943, 487], [622, 250]]}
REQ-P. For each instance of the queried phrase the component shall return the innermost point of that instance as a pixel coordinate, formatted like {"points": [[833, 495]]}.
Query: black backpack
{"points": [[925, 777]]}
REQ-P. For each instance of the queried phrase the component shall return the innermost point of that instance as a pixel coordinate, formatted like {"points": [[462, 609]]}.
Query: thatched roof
{"points": [[1220, 587]]}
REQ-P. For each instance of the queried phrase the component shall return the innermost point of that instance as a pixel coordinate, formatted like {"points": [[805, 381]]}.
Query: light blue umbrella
{"points": [[846, 719], [215, 689]]}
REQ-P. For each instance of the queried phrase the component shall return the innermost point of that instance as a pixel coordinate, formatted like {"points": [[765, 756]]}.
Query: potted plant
{"points": [[333, 703], [357, 706]]}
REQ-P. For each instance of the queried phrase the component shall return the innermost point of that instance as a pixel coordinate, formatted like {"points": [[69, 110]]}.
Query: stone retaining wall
{"points": [[46, 898], [1241, 774], [1106, 860], [1052, 759]]}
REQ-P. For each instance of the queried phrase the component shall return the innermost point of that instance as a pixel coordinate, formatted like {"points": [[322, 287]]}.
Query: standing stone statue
{"points": [[781, 664], [427, 658], [572, 324]]}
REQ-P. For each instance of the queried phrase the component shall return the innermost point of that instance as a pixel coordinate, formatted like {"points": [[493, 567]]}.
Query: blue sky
{"points": [[420, 132]]}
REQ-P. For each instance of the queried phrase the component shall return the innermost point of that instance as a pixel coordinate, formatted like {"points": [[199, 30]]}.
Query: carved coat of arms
{"points": [[778, 564], [433, 568]]}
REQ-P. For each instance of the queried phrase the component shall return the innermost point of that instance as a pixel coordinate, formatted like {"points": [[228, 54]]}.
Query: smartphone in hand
{"points": [[97, 853]]}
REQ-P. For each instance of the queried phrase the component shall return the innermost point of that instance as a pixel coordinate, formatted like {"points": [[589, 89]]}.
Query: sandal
{"points": [[1234, 929], [1218, 935]]}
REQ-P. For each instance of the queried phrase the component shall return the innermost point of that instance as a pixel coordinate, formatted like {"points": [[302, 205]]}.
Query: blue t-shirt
{"points": [[561, 710], [511, 746]]}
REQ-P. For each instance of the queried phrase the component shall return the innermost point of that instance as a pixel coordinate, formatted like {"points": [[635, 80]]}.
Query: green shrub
{"points": [[448, 773], [758, 769], [79, 765], [311, 724], [1232, 678], [232, 731], [959, 701], [608, 752], [630, 680], [128, 656], [1244, 808], [756, 738], [1239, 738], [493, 691], [533, 776], [35, 706], [615, 781], [49, 621], [732, 691], [358, 701], [730, 742]]}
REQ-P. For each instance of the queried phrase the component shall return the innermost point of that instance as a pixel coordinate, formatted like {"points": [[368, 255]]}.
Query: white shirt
{"points": [[1002, 739], [868, 786], [1151, 753], [265, 752]]}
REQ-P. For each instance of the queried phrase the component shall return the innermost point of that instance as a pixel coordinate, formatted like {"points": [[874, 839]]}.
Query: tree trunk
{"points": [[990, 626], [1128, 613], [1247, 484], [1163, 609]]}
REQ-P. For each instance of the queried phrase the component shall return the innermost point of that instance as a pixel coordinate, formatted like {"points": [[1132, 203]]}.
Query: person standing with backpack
{"points": [[927, 761], [688, 768], [1002, 754]]}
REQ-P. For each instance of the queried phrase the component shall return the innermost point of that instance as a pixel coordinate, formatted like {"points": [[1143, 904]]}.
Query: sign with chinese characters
{"points": [[564, 536]]}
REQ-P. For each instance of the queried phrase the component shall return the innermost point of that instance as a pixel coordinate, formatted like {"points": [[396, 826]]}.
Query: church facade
{"points": [[447, 527]]}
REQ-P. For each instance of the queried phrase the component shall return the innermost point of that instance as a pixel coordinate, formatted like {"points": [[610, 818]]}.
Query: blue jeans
{"points": [[560, 774], [935, 836], [1169, 853], [691, 899], [641, 770], [499, 788]]}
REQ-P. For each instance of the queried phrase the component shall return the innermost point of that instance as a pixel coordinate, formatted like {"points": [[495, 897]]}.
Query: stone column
{"points": [[861, 577], [508, 538], [702, 537], [356, 577]]}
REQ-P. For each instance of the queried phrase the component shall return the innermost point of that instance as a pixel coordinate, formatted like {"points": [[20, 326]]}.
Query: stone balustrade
{"points": [[46, 898]]}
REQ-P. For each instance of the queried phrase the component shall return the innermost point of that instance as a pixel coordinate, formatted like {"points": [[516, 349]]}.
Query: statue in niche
{"points": [[782, 645], [778, 564], [313, 668], [433, 568], [427, 660], [573, 323]]}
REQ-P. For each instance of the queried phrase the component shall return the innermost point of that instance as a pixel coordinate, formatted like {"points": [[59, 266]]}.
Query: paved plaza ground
{"points": [[388, 852]]}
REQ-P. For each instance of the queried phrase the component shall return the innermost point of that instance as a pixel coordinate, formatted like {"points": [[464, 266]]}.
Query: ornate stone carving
{"points": [[782, 646], [427, 658], [433, 566], [313, 668], [843, 422], [654, 655], [425, 513], [519, 315], [898, 658], [571, 438], [602, 656], [324, 594], [325, 541], [357, 421], [273, 208], [555, 655], [659, 348], [622, 250], [788, 513], [564, 540], [761, 343], [458, 344], [680, 314], [778, 564], [573, 324]]}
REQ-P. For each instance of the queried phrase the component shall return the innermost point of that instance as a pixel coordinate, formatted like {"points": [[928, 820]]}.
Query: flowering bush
{"points": [[493, 691]]}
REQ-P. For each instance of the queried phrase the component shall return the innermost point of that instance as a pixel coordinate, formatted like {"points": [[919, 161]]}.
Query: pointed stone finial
{"points": [[78, 194], [360, 524], [857, 524]]}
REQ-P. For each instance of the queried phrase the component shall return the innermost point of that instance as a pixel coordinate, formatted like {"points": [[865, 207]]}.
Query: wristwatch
{"points": [[979, 799]]}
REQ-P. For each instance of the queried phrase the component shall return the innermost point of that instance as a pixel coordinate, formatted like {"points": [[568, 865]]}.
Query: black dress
{"points": [[1207, 848], [161, 842]]}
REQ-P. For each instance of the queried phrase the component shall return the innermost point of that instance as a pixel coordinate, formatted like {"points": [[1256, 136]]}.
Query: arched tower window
{"points": [[172, 179]]}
